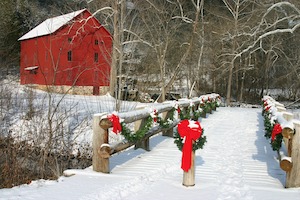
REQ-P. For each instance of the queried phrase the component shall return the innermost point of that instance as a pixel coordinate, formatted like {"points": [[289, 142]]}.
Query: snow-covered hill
{"points": [[237, 163]]}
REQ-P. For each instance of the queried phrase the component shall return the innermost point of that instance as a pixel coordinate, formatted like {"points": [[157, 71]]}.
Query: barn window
{"points": [[32, 69], [96, 42], [69, 55], [69, 40], [96, 57]]}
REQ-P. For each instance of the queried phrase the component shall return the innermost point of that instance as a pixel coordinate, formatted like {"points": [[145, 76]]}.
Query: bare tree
{"points": [[276, 23]]}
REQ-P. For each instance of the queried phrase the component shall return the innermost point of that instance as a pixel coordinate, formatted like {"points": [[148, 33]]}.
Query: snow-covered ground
{"points": [[237, 163]]}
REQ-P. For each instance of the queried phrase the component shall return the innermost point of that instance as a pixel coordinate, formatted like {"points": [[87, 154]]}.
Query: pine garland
{"points": [[205, 107], [134, 137], [167, 122], [276, 143], [198, 144], [268, 128], [191, 115], [197, 114], [185, 114], [130, 136]]}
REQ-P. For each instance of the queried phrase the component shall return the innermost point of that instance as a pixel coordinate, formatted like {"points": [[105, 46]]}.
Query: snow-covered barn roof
{"points": [[51, 25]]}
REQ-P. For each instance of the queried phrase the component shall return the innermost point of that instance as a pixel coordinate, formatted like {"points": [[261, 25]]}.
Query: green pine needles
{"points": [[198, 144], [130, 136]]}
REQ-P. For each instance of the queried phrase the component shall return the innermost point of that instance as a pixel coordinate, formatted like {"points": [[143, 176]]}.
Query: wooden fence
{"points": [[139, 120], [290, 159]]}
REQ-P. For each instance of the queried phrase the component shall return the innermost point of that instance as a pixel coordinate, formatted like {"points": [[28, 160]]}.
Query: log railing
{"points": [[290, 162], [103, 149]]}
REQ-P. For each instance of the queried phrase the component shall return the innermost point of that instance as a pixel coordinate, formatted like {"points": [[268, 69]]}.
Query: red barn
{"points": [[69, 50]]}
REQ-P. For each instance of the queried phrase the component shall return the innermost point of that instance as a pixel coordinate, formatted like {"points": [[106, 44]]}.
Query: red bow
{"points": [[116, 123], [155, 115], [178, 110], [276, 130], [267, 108], [265, 102], [191, 131]]}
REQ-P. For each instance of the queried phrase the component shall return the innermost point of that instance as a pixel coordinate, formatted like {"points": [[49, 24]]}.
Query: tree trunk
{"points": [[187, 53], [114, 61], [228, 96]]}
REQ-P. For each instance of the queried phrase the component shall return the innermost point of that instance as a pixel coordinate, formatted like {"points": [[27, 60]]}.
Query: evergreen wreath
{"points": [[188, 114], [276, 143], [130, 136], [198, 144], [167, 122], [268, 127], [197, 114], [206, 107], [185, 114]]}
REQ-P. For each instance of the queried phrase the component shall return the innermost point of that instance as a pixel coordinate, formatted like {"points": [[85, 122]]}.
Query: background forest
{"points": [[237, 48]]}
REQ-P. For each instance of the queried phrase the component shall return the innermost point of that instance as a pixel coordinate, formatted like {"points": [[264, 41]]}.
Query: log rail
{"points": [[102, 149], [290, 163]]}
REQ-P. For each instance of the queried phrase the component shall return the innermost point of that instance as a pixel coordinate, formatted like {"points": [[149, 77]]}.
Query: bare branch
{"points": [[277, 31], [139, 39]]}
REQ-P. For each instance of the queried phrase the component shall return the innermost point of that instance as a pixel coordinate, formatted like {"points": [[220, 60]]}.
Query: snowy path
{"points": [[236, 163]]}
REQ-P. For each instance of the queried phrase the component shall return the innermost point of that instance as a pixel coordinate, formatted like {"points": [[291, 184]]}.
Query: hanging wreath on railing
{"points": [[276, 137], [185, 114], [268, 127], [188, 113], [273, 129], [130, 136], [115, 120], [167, 122]]}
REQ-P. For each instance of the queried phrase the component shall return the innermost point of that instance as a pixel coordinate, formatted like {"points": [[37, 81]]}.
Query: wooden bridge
{"points": [[273, 112], [237, 162]]}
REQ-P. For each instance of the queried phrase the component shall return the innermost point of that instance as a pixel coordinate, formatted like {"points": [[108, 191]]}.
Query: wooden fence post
{"points": [[293, 176], [189, 176], [144, 143], [288, 132], [100, 137], [169, 132]]}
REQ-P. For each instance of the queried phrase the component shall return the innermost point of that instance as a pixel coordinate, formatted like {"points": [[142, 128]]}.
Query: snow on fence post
{"points": [[102, 150], [293, 176], [287, 133], [100, 138], [291, 138]]}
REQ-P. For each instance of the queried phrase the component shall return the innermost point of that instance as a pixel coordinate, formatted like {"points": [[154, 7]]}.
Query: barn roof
{"points": [[51, 25]]}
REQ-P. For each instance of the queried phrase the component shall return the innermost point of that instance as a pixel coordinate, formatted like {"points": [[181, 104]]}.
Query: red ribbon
{"points": [[276, 130], [191, 131], [155, 114], [267, 108], [117, 128], [178, 110]]}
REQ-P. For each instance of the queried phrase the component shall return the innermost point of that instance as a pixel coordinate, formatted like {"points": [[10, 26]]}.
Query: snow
{"points": [[236, 163], [31, 68], [50, 25]]}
